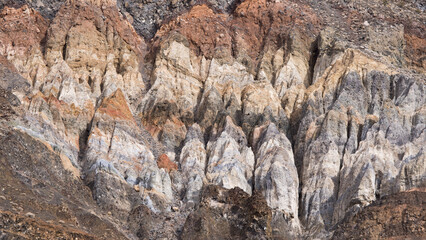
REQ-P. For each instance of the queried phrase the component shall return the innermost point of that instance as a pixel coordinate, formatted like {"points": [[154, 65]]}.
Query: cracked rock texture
{"points": [[215, 119]]}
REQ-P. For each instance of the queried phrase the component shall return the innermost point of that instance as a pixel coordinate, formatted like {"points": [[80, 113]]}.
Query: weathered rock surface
{"points": [[349, 174], [222, 120], [230, 162], [193, 160], [276, 174]]}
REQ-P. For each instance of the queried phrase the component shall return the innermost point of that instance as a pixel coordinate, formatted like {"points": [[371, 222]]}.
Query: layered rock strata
{"points": [[271, 119]]}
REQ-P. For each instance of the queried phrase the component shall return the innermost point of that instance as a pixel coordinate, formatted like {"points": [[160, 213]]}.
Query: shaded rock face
{"points": [[210, 119]]}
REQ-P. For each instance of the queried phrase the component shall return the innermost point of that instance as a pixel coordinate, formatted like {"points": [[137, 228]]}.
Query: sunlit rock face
{"points": [[230, 162], [270, 119]]}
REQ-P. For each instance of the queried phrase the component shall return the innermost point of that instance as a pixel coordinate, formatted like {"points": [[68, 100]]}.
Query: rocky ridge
{"points": [[273, 104]]}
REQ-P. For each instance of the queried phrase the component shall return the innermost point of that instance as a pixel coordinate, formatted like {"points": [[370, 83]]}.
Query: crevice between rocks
{"points": [[348, 135], [294, 125], [313, 60], [83, 140], [112, 137], [64, 49]]}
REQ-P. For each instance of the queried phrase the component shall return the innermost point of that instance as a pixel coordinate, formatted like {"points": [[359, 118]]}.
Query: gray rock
{"points": [[275, 175]]}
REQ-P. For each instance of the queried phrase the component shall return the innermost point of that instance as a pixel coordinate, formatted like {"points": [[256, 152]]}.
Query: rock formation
{"points": [[213, 119]]}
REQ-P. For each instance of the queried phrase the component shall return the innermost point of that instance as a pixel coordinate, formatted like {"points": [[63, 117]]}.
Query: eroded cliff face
{"points": [[253, 119]]}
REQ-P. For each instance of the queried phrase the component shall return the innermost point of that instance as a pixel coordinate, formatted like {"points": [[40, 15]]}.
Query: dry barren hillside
{"points": [[212, 119]]}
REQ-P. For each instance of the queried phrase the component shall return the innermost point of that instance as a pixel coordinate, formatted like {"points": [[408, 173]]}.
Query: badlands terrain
{"points": [[212, 119]]}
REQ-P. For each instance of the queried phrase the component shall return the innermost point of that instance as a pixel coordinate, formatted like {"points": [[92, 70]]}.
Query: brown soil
{"points": [[398, 216], [229, 214], [23, 227], [23, 28], [40, 185]]}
